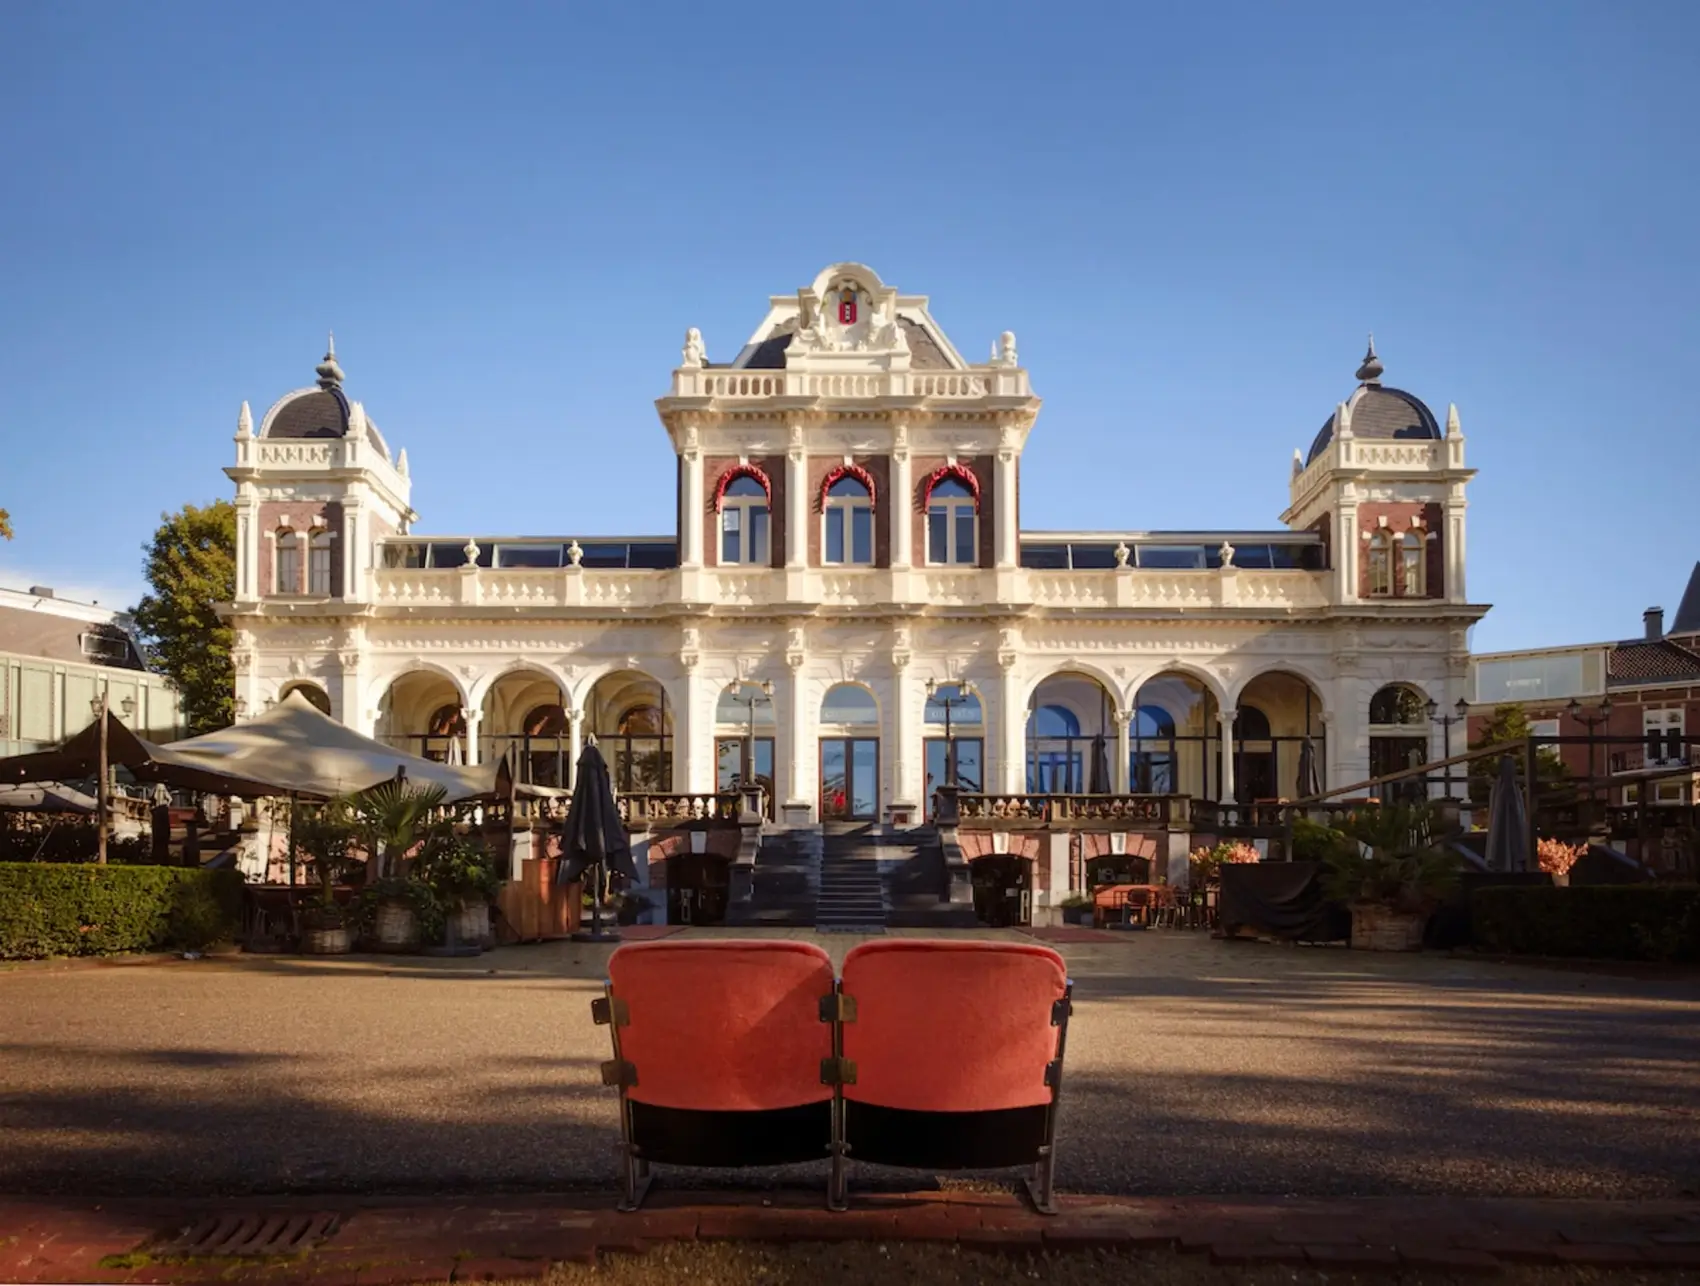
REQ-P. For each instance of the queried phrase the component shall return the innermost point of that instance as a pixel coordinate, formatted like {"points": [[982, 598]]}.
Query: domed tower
{"points": [[1384, 486], [316, 490]]}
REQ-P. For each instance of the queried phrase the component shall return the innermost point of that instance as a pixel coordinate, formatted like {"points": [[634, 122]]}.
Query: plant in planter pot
{"points": [[1393, 878], [391, 819], [324, 836], [1206, 863], [460, 873]]}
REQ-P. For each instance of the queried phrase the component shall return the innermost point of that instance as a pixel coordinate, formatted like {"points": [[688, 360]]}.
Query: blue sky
{"points": [[1190, 215]]}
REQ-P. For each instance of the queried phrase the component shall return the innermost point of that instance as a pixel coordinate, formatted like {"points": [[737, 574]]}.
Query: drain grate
{"points": [[254, 1234]]}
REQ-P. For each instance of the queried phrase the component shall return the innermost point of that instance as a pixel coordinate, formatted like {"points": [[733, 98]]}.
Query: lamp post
{"points": [[749, 695], [1446, 721], [964, 693], [98, 706], [1601, 715]]}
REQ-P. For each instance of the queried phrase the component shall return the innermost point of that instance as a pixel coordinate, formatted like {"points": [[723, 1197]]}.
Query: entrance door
{"points": [[970, 777], [1256, 778], [732, 767], [1003, 895], [849, 778]]}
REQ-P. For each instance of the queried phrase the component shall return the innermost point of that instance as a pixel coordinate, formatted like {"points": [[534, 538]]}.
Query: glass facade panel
{"points": [[835, 535], [965, 551], [861, 535], [1530, 678], [1172, 557], [938, 523]]}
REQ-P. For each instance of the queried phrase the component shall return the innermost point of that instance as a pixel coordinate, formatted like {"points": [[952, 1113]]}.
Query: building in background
{"points": [[848, 558], [57, 657]]}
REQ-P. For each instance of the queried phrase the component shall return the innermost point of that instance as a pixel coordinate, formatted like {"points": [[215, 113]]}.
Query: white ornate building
{"points": [[848, 532]]}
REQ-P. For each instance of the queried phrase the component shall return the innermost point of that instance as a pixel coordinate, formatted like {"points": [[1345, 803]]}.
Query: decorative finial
{"points": [[1226, 552], [401, 463], [1370, 371], [1122, 552], [1003, 352], [244, 424], [329, 373], [1453, 428], [694, 354], [1298, 462]]}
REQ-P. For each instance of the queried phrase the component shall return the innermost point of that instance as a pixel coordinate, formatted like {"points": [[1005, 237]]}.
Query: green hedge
{"points": [[1605, 922], [60, 909]]}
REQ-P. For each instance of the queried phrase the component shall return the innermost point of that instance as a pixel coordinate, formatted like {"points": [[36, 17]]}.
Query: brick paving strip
{"points": [[388, 1240]]}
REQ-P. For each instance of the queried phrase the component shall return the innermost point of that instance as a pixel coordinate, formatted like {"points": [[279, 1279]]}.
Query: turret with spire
{"points": [[1370, 371], [329, 373]]}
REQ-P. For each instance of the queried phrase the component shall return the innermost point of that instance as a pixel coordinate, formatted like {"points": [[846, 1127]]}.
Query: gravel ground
{"points": [[1194, 1066]]}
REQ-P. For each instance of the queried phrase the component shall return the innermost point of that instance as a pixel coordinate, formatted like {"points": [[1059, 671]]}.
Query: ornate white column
{"points": [[354, 526], [1012, 723], [474, 719], [575, 744], [348, 710], [1452, 533], [1004, 509], [796, 500], [1225, 719], [903, 790], [900, 503], [691, 507], [693, 768], [799, 753], [1124, 752]]}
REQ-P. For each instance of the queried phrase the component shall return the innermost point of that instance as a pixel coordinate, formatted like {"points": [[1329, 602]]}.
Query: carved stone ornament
{"points": [[348, 660], [1122, 552], [693, 355], [901, 660], [242, 662], [575, 553], [1227, 552]]}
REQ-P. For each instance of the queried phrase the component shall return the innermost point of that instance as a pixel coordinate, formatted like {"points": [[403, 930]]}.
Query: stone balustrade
{"points": [[644, 809], [1070, 812], [756, 386]]}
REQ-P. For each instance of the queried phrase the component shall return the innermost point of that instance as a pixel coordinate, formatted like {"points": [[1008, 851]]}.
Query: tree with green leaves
{"points": [[191, 568], [1510, 723], [5, 525]]}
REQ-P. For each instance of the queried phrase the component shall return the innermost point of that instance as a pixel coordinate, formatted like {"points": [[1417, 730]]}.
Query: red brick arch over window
{"points": [[962, 473], [855, 471], [741, 471]]}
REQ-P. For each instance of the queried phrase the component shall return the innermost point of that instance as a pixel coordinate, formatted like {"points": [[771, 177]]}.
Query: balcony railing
{"points": [[641, 809], [746, 386], [1073, 811]]}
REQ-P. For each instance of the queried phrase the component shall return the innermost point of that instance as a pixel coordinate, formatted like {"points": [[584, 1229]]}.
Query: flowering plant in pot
{"points": [[1207, 863], [1394, 878], [324, 835]]}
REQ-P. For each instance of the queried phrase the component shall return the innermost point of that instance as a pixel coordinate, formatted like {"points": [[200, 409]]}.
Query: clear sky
{"points": [[1189, 214]]}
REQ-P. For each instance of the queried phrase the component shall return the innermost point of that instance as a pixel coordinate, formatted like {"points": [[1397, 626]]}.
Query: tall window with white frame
{"points": [[288, 567], [849, 517], [1379, 563], [744, 523], [1412, 564], [319, 563], [952, 525]]}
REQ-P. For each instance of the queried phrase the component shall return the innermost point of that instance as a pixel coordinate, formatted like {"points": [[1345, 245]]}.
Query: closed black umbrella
{"points": [[1309, 784], [1508, 822], [594, 836]]}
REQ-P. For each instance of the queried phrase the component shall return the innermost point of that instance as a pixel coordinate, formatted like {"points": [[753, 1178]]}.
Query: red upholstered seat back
{"points": [[951, 1026], [724, 1026]]}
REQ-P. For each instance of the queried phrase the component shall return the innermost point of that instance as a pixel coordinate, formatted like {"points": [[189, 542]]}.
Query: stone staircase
{"points": [[852, 896], [786, 880]]}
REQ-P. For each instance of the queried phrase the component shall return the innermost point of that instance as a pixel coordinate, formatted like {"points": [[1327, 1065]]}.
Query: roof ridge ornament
{"points": [[1371, 370], [244, 423], [329, 373]]}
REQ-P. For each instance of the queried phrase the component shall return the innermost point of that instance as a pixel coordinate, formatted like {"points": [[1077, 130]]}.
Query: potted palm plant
{"points": [[325, 837], [392, 818], [1393, 878]]}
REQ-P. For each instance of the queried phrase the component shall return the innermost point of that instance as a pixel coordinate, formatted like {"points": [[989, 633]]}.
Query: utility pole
{"points": [[99, 707]]}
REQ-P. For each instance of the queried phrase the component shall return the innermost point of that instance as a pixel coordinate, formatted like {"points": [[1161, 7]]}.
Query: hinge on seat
{"points": [[837, 1071], [838, 1008], [1061, 1011], [1053, 1073], [619, 1073], [606, 1009]]}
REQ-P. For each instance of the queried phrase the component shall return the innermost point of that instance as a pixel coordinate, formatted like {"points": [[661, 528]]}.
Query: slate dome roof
{"points": [[1380, 412], [322, 412]]}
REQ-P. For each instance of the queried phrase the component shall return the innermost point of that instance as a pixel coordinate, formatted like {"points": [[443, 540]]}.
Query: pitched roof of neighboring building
{"points": [[55, 629], [1652, 661], [1688, 611]]}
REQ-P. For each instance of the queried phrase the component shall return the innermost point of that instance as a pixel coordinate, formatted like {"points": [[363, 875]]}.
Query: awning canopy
{"points": [[291, 749], [49, 798], [296, 749]]}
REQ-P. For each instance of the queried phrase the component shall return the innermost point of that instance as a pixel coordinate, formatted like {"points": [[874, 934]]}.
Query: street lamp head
{"points": [[932, 687], [767, 688], [1463, 708], [1605, 705], [1432, 706], [97, 706], [128, 705]]}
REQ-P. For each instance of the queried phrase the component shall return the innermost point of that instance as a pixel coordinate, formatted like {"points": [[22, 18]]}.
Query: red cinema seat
{"points": [[718, 1053], [953, 1054]]}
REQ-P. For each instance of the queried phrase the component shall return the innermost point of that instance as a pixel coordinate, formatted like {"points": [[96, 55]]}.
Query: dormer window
{"points": [[288, 579], [849, 518], [744, 523], [953, 527]]}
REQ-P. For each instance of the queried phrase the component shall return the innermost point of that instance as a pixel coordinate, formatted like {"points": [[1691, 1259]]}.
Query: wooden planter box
{"points": [[534, 907], [327, 942], [1378, 928]]}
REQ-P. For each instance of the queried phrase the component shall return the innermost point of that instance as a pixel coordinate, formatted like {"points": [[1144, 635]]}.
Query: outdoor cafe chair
{"points": [[951, 1057], [719, 1054]]}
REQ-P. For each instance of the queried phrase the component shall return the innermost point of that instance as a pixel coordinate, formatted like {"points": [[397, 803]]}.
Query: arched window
{"points": [[288, 578], [1397, 704], [447, 721], [1151, 767], [319, 563], [1251, 724], [1154, 721], [848, 513], [546, 721], [1054, 721], [849, 703], [953, 524], [1379, 562], [961, 711], [744, 522], [1412, 565], [314, 694], [641, 721]]}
